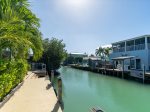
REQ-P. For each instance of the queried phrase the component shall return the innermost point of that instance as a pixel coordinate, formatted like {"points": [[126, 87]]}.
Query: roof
{"points": [[78, 54], [123, 58]]}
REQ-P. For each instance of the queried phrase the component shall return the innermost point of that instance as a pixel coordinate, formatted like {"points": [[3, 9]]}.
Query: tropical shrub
{"points": [[13, 75], [19, 33], [54, 53]]}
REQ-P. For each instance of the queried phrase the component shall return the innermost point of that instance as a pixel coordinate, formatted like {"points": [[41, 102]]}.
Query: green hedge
{"points": [[11, 74]]}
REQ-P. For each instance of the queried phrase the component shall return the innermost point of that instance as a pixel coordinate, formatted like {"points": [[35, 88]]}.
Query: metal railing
{"points": [[121, 49], [136, 47], [130, 48], [140, 47]]}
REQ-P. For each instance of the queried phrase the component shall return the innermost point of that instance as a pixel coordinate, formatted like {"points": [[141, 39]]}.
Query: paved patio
{"points": [[36, 95]]}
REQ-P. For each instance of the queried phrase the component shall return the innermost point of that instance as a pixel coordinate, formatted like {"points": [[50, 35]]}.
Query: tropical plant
{"points": [[107, 52], [100, 52], [54, 53], [19, 33], [103, 52], [19, 29], [11, 75]]}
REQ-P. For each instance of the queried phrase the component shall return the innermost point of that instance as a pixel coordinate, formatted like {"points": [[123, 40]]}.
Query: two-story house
{"points": [[138, 47]]}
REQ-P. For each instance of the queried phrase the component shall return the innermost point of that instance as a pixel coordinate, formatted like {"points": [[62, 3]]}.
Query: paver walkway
{"points": [[33, 96]]}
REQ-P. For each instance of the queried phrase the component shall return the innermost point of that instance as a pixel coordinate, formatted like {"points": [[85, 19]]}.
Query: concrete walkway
{"points": [[34, 96]]}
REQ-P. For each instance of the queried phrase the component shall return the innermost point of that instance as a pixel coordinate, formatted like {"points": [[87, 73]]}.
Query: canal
{"points": [[83, 90]]}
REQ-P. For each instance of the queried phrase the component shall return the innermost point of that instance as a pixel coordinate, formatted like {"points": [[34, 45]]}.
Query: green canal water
{"points": [[83, 90]]}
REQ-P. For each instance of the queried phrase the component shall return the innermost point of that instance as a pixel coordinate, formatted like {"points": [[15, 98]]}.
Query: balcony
{"points": [[136, 47], [130, 48], [140, 47], [120, 49]]}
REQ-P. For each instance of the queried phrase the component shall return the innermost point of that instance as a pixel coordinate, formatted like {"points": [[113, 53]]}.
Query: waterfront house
{"points": [[75, 58], [78, 55], [92, 61], [138, 48]]}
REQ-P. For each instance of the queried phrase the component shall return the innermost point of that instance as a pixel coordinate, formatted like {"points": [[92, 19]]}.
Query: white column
{"points": [[146, 45], [134, 45], [125, 46]]}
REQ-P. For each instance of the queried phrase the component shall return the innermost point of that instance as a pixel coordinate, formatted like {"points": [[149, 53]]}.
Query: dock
{"points": [[135, 75]]}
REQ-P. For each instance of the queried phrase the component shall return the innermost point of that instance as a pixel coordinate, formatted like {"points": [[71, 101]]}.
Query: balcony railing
{"points": [[136, 47], [115, 50], [130, 48], [121, 49], [140, 47]]}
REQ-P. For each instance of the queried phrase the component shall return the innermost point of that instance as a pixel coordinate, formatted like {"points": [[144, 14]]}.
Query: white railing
{"points": [[136, 47], [115, 50], [130, 48], [121, 49], [140, 47]]}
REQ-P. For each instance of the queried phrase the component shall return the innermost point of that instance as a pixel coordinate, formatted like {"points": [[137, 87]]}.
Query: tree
{"points": [[78, 60], [54, 53], [103, 52], [107, 52], [70, 60], [100, 52], [19, 32], [19, 29]]}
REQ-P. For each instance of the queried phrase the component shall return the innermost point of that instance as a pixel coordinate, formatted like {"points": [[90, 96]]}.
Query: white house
{"points": [[138, 48]]}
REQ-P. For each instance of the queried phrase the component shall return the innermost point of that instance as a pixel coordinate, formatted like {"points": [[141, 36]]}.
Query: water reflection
{"points": [[83, 90]]}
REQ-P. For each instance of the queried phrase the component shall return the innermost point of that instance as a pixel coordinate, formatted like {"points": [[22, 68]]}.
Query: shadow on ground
{"points": [[57, 105], [40, 73], [48, 86]]}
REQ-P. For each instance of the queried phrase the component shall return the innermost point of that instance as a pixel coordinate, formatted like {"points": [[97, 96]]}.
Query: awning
{"points": [[123, 58]]}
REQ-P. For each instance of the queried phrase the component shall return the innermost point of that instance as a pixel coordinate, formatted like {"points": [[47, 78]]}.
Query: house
{"points": [[75, 58], [91, 61], [78, 55], [135, 52]]}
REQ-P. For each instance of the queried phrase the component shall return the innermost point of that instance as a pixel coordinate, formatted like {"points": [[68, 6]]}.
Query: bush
{"points": [[11, 76]]}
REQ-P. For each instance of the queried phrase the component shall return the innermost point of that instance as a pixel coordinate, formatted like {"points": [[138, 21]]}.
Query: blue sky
{"points": [[86, 24]]}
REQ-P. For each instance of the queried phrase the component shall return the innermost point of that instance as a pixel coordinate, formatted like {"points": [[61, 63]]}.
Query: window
{"points": [[130, 45], [132, 64], [148, 39], [140, 41], [140, 44], [138, 63]]}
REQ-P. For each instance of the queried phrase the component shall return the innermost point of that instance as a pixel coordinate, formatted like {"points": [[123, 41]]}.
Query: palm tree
{"points": [[106, 52], [100, 52], [103, 53], [19, 30]]}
